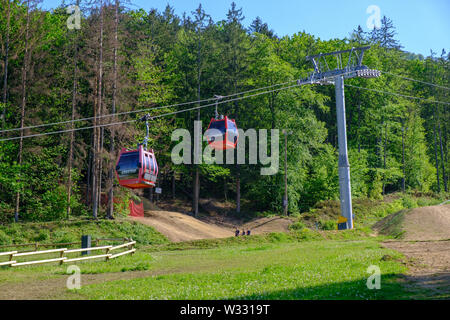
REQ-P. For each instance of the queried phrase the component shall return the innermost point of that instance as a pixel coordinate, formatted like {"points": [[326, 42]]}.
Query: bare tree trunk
{"points": [[285, 204], [100, 169], [173, 185], [89, 173], [238, 168], [225, 188], [197, 173], [24, 101], [384, 158], [436, 158], [72, 136], [110, 210], [97, 129], [359, 125], [101, 160], [72, 133], [444, 176], [150, 195], [5, 76], [94, 164], [158, 184], [403, 158], [238, 188]]}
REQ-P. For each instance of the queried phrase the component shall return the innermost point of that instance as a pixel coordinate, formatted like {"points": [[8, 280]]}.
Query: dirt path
{"points": [[428, 263], [181, 227], [266, 225], [419, 224], [428, 223]]}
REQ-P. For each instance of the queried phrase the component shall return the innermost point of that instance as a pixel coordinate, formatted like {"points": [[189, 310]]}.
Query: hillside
{"points": [[71, 231], [419, 224], [177, 225]]}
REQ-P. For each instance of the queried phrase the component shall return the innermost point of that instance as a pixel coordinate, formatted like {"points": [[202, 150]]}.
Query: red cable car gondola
{"points": [[225, 134], [222, 132], [137, 169]]}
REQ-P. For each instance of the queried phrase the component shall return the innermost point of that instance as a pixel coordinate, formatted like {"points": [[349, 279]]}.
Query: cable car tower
{"points": [[322, 75]]}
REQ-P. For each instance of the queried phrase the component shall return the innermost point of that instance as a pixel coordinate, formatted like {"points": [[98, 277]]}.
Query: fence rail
{"points": [[36, 245], [132, 243], [64, 251], [21, 254], [123, 253]]}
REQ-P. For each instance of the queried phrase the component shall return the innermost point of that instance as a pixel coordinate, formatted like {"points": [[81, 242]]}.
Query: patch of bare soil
{"points": [[181, 227], [173, 219], [427, 223], [424, 224], [428, 263], [425, 234], [267, 225]]}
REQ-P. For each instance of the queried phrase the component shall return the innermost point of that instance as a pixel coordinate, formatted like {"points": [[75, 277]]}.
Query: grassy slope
{"points": [[303, 264], [367, 211], [293, 270], [276, 266], [71, 231]]}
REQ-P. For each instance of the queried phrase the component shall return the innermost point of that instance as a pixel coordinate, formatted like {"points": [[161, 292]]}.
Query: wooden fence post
{"points": [[61, 255], [107, 252]]}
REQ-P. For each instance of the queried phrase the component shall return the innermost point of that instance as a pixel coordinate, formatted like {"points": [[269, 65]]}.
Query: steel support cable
{"points": [[415, 80], [151, 117], [213, 104], [397, 94], [141, 110]]}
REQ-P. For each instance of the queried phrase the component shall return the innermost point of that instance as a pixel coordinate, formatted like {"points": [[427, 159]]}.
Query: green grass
{"points": [[71, 231], [311, 265], [302, 270], [302, 264], [392, 225], [367, 211]]}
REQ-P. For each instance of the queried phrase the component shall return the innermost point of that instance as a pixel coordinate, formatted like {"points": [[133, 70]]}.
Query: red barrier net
{"points": [[136, 210]]}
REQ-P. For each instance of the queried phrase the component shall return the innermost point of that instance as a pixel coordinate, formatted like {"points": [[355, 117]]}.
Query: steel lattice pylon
{"points": [[321, 75]]}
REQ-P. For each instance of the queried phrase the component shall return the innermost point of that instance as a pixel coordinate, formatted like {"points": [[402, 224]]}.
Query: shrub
{"points": [[278, 237], [61, 236], [408, 202], [42, 236], [308, 234], [4, 238], [298, 225], [328, 225]]}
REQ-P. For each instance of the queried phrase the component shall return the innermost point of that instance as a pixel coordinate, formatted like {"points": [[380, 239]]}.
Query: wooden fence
{"points": [[64, 252], [37, 245]]}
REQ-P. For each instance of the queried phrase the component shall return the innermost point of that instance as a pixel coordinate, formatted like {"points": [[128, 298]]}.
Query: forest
{"points": [[73, 90]]}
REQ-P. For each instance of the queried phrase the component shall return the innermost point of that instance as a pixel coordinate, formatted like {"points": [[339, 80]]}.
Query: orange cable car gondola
{"points": [[222, 132], [137, 169]]}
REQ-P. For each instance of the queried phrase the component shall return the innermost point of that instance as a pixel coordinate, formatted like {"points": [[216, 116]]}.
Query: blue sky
{"points": [[421, 24]]}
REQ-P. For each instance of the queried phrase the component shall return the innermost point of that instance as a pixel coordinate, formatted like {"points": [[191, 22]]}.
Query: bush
{"points": [[42, 236], [278, 237], [298, 225], [60, 236], [328, 225], [4, 238], [308, 234], [408, 202]]}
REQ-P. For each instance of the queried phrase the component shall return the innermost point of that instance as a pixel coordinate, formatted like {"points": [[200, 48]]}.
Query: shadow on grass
{"points": [[393, 287]]}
